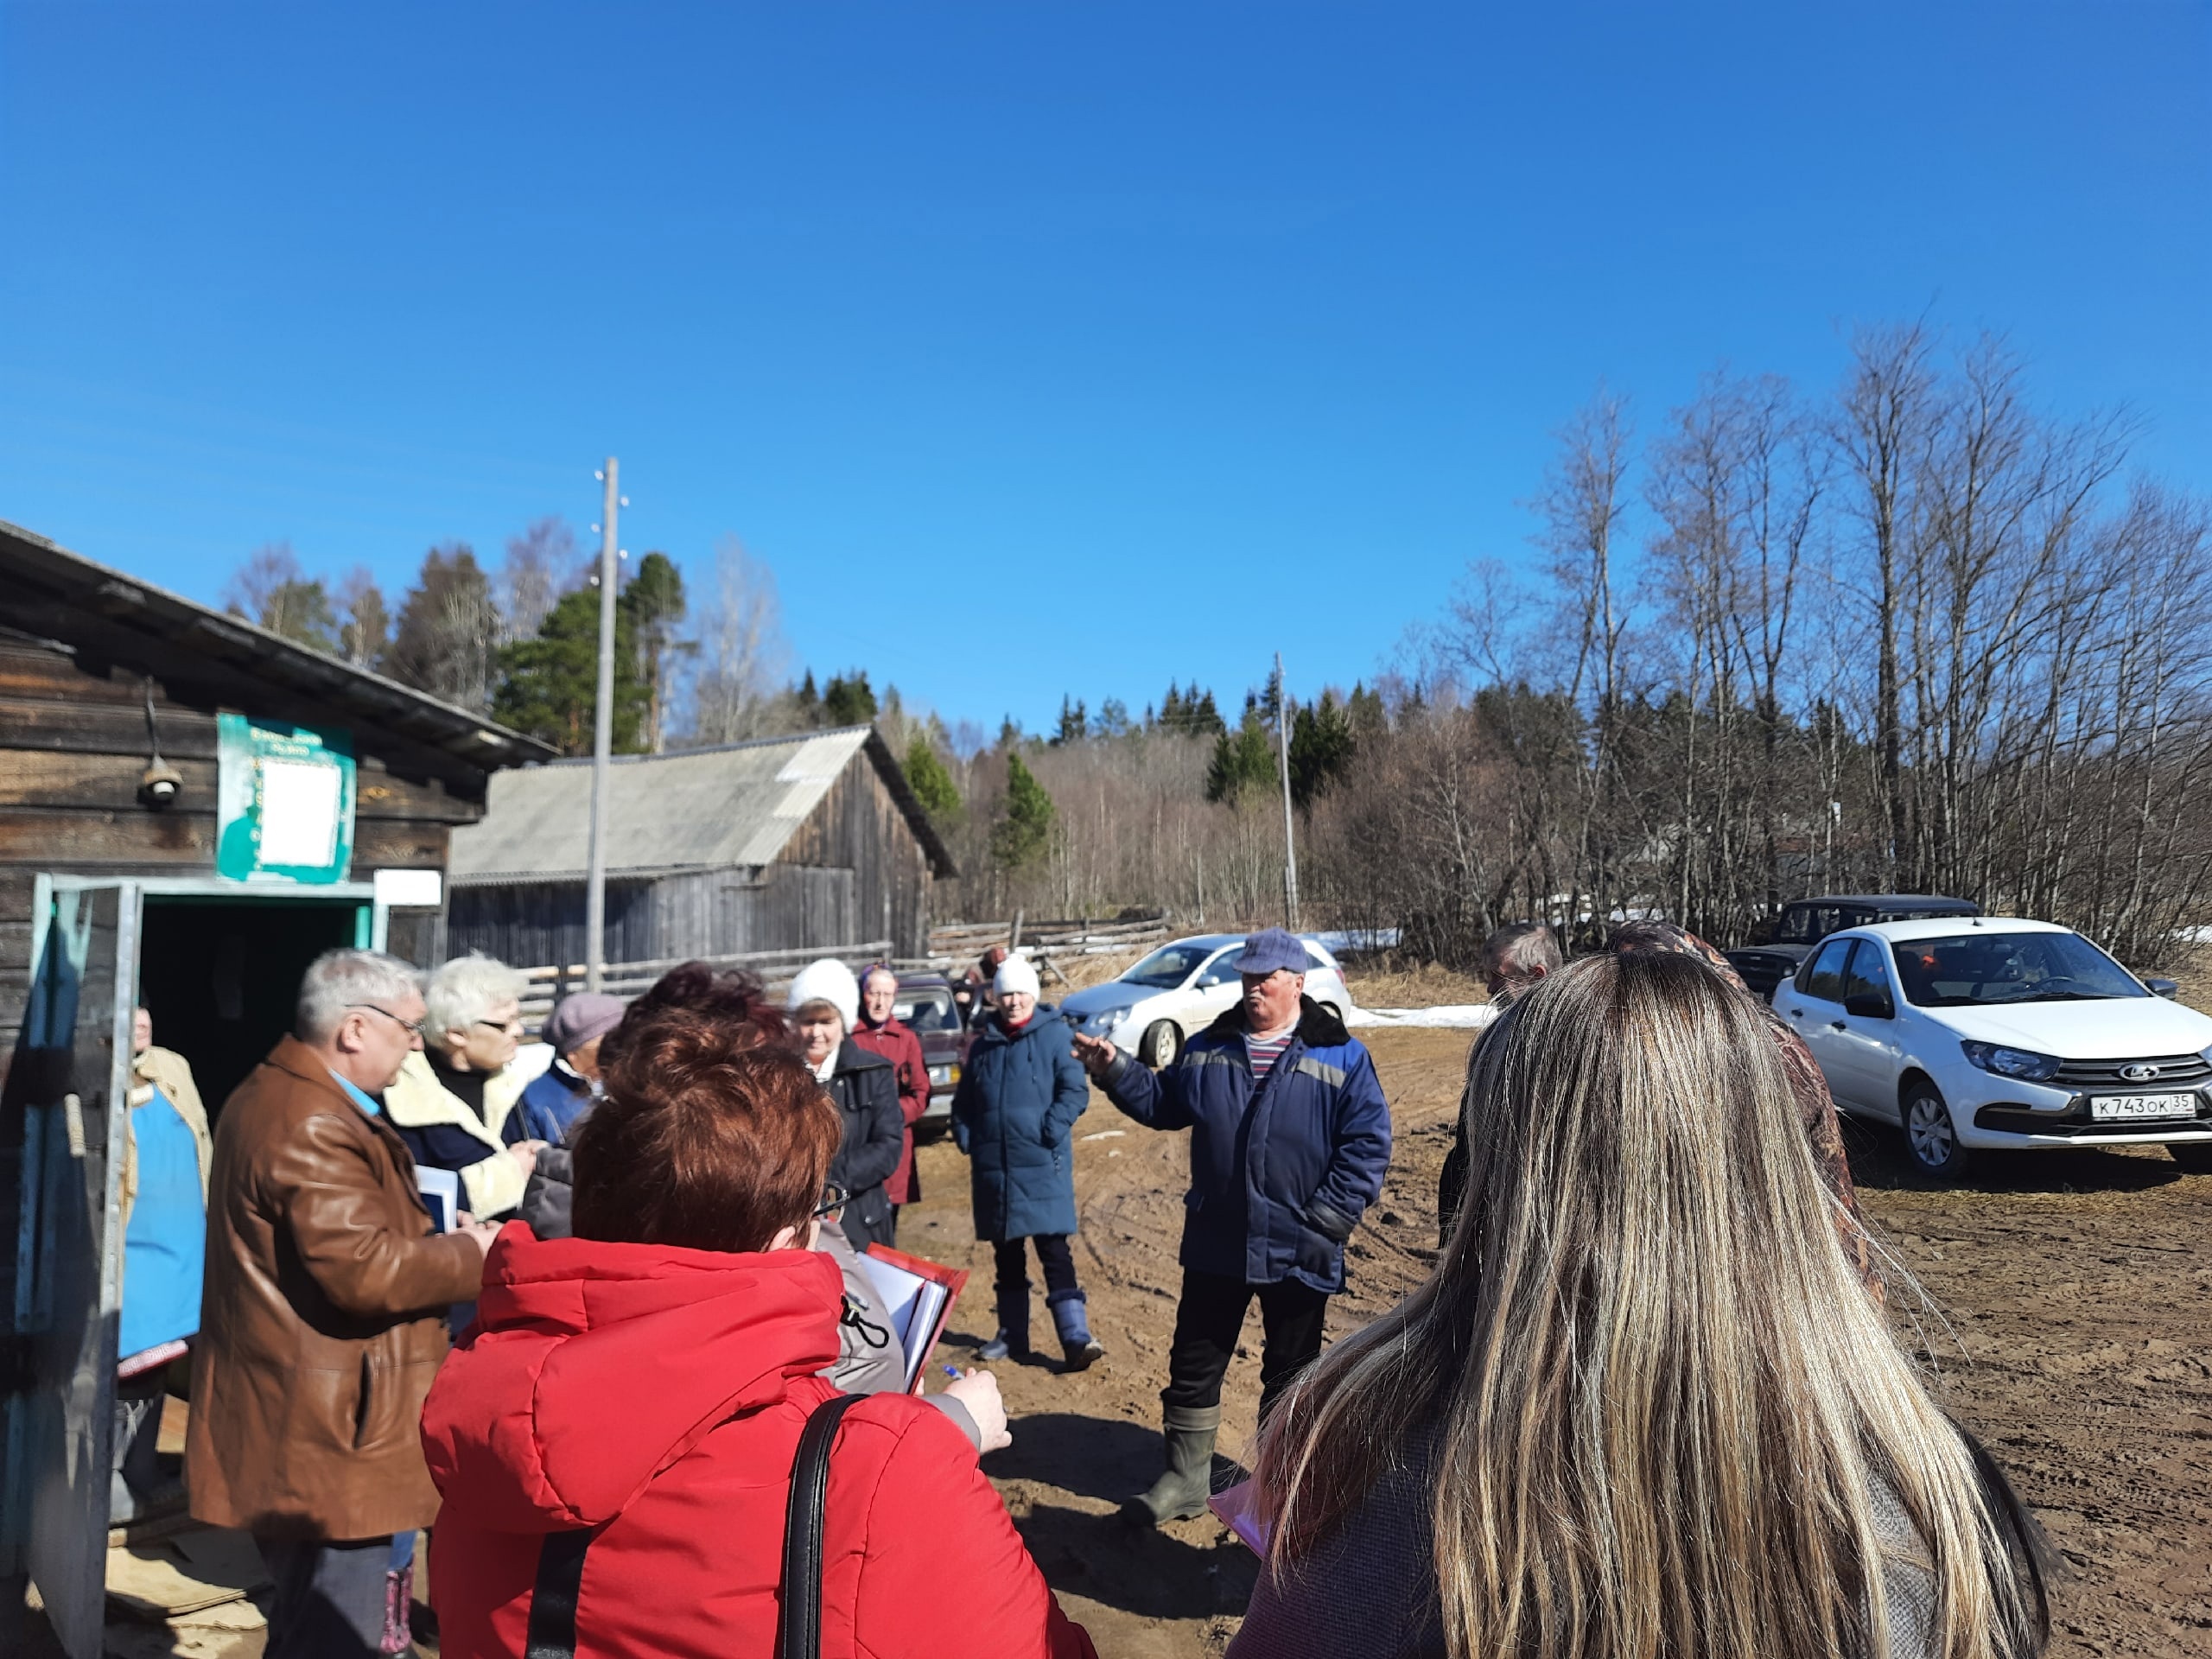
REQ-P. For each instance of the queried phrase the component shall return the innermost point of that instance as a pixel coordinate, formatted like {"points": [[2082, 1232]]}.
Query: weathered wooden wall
{"points": [[853, 872], [72, 748], [858, 826], [537, 925]]}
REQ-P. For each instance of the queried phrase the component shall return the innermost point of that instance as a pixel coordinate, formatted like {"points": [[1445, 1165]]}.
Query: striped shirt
{"points": [[1265, 1050]]}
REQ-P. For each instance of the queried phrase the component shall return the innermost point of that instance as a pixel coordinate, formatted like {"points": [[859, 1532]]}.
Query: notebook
{"points": [[917, 1297], [441, 1190]]}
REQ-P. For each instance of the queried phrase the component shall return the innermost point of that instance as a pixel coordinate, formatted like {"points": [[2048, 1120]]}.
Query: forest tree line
{"points": [[1910, 634]]}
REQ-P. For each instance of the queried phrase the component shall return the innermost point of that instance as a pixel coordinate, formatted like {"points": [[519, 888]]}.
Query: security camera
{"points": [[160, 785]]}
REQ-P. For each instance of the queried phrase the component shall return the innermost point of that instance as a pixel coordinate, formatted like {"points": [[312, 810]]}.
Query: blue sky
{"points": [[1036, 349]]}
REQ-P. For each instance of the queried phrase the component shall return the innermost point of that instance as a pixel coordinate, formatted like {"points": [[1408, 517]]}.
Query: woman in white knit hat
{"points": [[825, 1000], [1021, 1092]]}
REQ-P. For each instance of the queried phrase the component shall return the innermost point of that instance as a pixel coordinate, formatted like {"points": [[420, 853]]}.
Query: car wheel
{"points": [[2194, 1156], [1931, 1139], [1161, 1039]]}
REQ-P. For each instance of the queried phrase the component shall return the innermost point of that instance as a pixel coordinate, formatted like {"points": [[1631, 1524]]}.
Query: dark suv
{"points": [[925, 1006], [1804, 924]]}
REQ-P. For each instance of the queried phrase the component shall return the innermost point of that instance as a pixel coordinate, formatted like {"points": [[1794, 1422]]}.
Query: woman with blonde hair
{"points": [[1644, 1406]]}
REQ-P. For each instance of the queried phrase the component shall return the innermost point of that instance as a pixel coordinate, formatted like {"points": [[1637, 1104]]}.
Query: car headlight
{"points": [[945, 1074], [1110, 1021], [2022, 1062]]}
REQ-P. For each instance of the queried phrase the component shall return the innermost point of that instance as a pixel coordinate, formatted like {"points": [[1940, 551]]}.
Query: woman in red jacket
{"points": [[882, 1032], [620, 1428]]}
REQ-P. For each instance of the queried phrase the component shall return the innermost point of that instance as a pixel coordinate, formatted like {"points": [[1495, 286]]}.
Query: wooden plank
{"points": [[61, 840], [28, 670], [47, 779]]}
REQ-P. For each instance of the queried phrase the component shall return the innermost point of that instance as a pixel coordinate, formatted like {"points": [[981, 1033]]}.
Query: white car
{"points": [[1180, 989], [2006, 1034]]}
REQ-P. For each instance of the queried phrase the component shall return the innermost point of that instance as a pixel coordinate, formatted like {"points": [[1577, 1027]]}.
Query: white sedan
{"points": [[1985, 1032], [1180, 989]]}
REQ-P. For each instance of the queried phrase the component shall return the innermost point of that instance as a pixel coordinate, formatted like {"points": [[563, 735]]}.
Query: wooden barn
{"points": [[809, 842], [191, 808]]}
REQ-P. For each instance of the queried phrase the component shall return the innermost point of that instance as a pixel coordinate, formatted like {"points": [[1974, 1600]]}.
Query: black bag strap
{"points": [[552, 1632], [798, 1634]]}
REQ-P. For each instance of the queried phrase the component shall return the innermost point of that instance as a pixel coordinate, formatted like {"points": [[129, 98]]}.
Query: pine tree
{"points": [[654, 600], [1020, 835], [1321, 744], [1243, 760], [549, 686], [847, 700], [931, 781], [1074, 726]]}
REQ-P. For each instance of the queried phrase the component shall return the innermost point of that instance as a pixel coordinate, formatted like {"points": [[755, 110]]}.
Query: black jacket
{"points": [[865, 1087]]}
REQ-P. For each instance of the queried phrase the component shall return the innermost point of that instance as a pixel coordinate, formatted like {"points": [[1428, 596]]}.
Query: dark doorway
{"points": [[221, 978]]}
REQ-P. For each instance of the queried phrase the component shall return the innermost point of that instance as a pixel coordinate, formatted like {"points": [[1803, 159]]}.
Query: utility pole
{"points": [[1289, 849], [602, 743]]}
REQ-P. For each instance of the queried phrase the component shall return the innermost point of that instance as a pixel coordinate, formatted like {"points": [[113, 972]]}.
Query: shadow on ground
{"points": [[1878, 1161], [1190, 1570]]}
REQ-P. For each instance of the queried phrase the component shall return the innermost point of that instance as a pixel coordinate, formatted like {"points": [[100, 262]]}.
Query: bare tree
{"points": [[543, 562], [740, 656], [367, 621]]}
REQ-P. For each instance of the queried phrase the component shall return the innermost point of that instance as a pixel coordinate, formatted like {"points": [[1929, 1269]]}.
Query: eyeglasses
{"points": [[513, 1025], [834, 1199], [412, 1027]]}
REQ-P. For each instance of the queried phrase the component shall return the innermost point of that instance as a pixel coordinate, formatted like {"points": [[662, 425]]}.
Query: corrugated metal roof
{"points": [[706, 809]]}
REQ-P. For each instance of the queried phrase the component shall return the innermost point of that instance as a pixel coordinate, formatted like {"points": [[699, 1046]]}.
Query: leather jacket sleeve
{"points": [[366, 1260]]}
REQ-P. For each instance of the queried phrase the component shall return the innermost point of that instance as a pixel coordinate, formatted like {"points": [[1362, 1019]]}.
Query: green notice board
{"points": [[283, 801]]}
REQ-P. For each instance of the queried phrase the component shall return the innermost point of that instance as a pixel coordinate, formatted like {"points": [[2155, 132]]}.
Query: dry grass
{"points": [[1081, 971], [1391, 984]]}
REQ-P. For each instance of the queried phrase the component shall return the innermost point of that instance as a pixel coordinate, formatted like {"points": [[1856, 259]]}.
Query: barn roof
{"points": [[103, 615], [738, 805]]}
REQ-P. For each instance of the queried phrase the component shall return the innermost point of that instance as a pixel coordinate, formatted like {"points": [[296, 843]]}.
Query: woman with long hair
{"points": [[1643, 1407]]}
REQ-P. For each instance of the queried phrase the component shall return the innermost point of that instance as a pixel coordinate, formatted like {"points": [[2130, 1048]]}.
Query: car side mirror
{"points": [[1870, 1008], [2162, 986]]}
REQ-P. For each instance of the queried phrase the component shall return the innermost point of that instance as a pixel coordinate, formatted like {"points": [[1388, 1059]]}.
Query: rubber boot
{"points": [[1012, 1338], [1181, 1492], [1074, 1325]]}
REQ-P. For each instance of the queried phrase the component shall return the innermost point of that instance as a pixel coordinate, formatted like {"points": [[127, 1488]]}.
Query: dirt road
{"points": [[2068, 1309]]}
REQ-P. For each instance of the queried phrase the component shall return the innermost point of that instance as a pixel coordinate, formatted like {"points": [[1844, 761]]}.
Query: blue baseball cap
{"points": [[1272, 948]]}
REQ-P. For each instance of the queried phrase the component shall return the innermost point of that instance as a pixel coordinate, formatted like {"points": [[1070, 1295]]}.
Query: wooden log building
{"points": [[137, 732], [812, 842]]}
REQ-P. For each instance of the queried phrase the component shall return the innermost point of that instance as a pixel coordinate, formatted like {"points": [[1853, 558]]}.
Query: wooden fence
{"points": [[952, 948], [549, 985]]}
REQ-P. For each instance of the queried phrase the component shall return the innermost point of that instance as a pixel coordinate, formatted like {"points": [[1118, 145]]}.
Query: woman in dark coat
{"points": [[824, 1001], [1021, 1092]]}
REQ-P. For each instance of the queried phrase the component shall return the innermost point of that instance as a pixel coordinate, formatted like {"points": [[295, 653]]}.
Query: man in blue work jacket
{"points": [[1290, 1136]]}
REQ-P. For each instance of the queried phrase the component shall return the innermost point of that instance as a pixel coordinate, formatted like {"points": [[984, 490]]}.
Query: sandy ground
{"points": [[2068, 1311]]}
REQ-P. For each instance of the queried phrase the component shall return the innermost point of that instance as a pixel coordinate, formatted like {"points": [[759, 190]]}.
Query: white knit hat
{"points": [[1015, 973], [828, 981]]}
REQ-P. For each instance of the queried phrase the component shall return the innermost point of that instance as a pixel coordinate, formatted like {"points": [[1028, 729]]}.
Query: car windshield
{"points": [[930, 1010], [1810, 924], [1967, 970], [1169, 966]]}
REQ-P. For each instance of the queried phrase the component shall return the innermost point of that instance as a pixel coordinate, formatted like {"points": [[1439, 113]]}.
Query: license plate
{"points": [[2115, 1107]]}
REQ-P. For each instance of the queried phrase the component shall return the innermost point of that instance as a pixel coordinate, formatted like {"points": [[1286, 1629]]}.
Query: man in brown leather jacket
{"points": [[323, 1318]]}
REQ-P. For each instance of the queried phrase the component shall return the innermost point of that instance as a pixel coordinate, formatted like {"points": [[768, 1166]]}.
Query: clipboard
{"points": [[917, 1297]]}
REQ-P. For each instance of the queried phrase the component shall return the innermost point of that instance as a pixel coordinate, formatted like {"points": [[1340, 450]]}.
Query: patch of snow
{"points": [[1470, 1015]]}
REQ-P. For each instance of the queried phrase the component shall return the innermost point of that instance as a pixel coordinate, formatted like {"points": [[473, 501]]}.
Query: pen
{"points": [[952, 1371]]}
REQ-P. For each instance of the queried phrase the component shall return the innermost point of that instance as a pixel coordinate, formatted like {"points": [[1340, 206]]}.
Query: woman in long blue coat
{"points": [[1014, 1114]]}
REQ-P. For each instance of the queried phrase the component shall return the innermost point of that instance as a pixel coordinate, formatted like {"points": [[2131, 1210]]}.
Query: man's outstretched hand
{"points": [[1097, 1055]]}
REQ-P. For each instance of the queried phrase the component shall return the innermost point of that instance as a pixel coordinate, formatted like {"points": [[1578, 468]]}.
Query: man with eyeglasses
{"points": [[323, 1315]]}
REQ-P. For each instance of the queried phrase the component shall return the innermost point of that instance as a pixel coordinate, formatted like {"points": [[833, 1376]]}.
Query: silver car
{"points": [[1180, 989]]}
